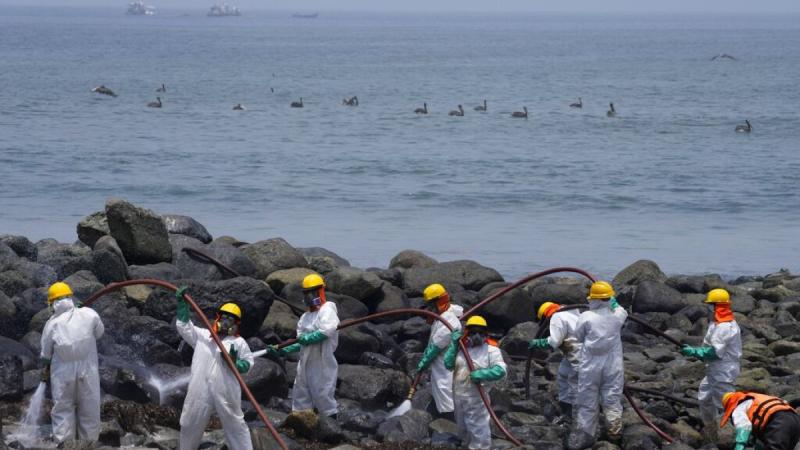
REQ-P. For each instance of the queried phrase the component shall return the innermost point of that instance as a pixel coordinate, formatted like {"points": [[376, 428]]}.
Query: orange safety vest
{"points": [[759, 413]]}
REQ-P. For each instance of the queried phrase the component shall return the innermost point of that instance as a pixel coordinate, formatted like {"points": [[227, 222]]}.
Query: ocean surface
{"points": [[668, 179]]}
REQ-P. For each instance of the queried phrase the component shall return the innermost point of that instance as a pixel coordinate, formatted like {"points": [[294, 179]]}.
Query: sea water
{"points": [[667, 179]]}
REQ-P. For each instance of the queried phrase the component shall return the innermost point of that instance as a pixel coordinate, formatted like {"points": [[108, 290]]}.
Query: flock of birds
{"points": [[459, 112]]}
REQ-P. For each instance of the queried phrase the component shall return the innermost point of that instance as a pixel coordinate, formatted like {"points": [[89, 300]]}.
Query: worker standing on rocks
{"points": [[472, 417], [212, 386], [770, 420], [437, 300], [317, 338], [69, 359], [562, 336], [721, 351], [600, 371]]}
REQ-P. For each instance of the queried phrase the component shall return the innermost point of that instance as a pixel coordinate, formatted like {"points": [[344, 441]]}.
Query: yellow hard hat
{"points": [[476, 321], [58, 291], [727, 396], [543, 309], [433, 292], [600, 290], [313, 281], [718, 296], [231, 308]]}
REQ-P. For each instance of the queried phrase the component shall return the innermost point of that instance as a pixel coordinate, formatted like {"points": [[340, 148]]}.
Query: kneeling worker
{"points": [[212, 387], [771, 420]]}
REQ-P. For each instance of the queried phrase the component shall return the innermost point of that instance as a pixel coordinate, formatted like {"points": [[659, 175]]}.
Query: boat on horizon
{"points": [[138, 8], [305, 16], [223, 10]]}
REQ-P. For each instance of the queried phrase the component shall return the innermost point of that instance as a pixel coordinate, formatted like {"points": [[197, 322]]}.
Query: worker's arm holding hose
{"points": [[452, 350], [185, 328]]}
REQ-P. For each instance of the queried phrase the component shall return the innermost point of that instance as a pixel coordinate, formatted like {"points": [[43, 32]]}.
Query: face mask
{"points": [[475, 339], [61, 306], [312, 298], [227, 325]]}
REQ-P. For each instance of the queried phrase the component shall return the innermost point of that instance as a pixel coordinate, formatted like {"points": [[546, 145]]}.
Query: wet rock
{"points": [[140, 233], [371, 386], [391, 298], [352, 343], [375, 360], [322, 264], [348, 307], [755, 380], [509, 310], [774, 294], [33, 341], [253, 296], [352, 417], [266, 379], [652, 296], [280, 278], [76, 445], [111, 433], [83, 283], [7, 308], [161, 271], [408, 259], [695, 284], [636, 273], [177, 224], [328, 431], [319, 252], [140, 418], [280, 321], [391, 276], [356, 283], [9, 347], [303, 422], [468, 274], [564, 290], [109, 266], [93, 227], [410, 427], [273, 254], [783, 347], [516, 340], [13, 283], [11, 376], [23, 247], [192, 266], [415, 328]]}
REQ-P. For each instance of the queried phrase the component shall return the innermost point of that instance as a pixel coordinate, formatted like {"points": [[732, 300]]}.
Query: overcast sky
{"points": [[634, 6]]}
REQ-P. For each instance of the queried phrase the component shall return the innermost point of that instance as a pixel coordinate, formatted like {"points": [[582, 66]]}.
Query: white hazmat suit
{"points": [[69, 343], [562, 337], [601, 375], [317, 369], [472, 417], [721, 373], [213, 388], [441, 378]]}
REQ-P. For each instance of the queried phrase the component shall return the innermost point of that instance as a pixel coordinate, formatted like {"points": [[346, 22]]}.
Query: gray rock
{"points": [[177, 224], [774, 294], [744, 304], [642, 270], [280, 321], [266, 379], [352, 343], [83, 284], [391, 276], [280, 278], [516, 340], [407, 259], [93, 227], [7, 256], [140, 233], [375, 360], [696, 284], [356, 283], [391, 298], [192, 266], [38, 274], [13, 283], [512, 308], [273, 254], [161, 271], [370, 386], [569, 293], [319, 252], [410, 427], [322, 264], [468, 274], [348, 307], [11, 377], [652, 296], [352, 417], [39, 319], [109, 266], [8, 311], [23, 247], [33, 341]]}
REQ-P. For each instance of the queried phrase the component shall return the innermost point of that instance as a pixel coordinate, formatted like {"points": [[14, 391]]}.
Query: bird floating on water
{"points": [[744, 128], [155, 104], [297, 104], [578, 104], [611, 112], [457, 112], [481, 108], [423, 110], [520, 114], [102, 89]]}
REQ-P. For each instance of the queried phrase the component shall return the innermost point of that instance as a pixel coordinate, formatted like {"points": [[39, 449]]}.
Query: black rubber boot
{"points": [[566, 414]]}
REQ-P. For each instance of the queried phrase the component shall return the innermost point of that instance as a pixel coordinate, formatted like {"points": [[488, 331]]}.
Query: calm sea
{"points": [[668, 179]]}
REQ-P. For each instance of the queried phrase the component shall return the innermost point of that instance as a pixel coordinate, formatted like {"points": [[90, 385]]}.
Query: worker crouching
{"points": [[770, 420]]}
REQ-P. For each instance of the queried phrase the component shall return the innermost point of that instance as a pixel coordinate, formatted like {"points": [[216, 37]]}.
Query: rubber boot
{"points": [[615, 431], [566, 414]]}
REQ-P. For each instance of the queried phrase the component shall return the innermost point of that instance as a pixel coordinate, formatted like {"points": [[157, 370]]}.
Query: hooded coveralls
{"points": [[213, 388], [69, 342], [441, 378], [315, 383], [724, 335]]}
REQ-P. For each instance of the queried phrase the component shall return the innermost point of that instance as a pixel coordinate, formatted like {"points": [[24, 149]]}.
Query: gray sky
{"points": [[633, 6]]}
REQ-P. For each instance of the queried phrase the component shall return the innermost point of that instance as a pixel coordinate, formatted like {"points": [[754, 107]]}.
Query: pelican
{"points": [[102, 89], [744, 128], [423, 110], [297, 104], [238, 107], [520, 114], [352, 101], [155, 104], [459, 112], [723, 56], [481, 108], [611, 112], [163, 88], [579, 104]]}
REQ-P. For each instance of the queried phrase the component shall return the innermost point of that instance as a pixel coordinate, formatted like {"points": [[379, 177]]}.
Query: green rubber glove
{"points": [[182, 313], [430, 354], [452, 350], [242, 366], [455, 336], [272, 350], [704, 353], [493, 373], [538, 343], [311, 338], [614, 303], [296, 347], [234, 354]]}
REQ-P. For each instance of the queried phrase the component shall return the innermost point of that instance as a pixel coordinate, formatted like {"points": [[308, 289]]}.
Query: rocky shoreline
{"points": [[142, 360]]}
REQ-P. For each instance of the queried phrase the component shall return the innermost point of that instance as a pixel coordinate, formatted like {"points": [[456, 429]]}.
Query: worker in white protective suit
{"points": [[437, 300], [472, 417], [562, 337], [721, 351], [601, 375], [69, 359], [213, 387], [317, 338]]}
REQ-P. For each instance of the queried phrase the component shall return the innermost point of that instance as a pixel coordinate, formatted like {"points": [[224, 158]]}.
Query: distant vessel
{"points": [[138, 8], [305, 16], [223, 10]]}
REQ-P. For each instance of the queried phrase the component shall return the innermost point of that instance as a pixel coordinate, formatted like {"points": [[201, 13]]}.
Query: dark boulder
{"points": [[696, 284], [197, 267], [109, 266], [391, 298], [410, 427], [13, 283], [83, 284], [356, 283], [319, 252], [161, 271], [516, 340], [510, 309], [65, 259], [352, 343], [565, 291], [352, 417], [12, 348], [279, 279], [93, 227], [273, 254], [11, 378], [652, 296], [370, 386], [376, 360], [177, 224], [408, 259], [636, 273], [23, 247], [140, 233], [391, 276], [468, 274], [266, 379]]}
